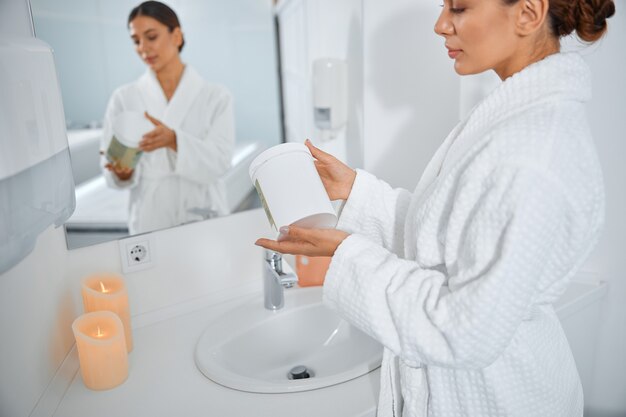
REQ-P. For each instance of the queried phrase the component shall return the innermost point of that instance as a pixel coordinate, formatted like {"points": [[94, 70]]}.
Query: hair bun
{"points": [[592, 15], [586, 17]]}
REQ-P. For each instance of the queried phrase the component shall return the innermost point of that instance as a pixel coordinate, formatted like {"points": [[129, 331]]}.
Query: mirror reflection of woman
{"points": [[458, 278], [192, 142]]}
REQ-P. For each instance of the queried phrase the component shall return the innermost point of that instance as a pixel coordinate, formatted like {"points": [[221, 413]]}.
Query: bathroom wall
{"points": [[390, 49], [607, 116], [411, 93], [335, 31], [40, 297], [36, 312], [312, 29], [204, 261]]}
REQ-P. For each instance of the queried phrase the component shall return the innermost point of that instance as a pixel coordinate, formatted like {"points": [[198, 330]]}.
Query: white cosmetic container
{"points": [[128, 129], [290, 188]]}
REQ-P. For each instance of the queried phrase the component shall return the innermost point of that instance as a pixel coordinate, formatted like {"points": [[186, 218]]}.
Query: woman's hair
{"points": [[586, 17], [159, 12]]}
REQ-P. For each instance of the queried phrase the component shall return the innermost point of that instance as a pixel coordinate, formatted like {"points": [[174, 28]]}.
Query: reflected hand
{"points": [[122, 173], [161, 137], [336, 176], [310, 242]]}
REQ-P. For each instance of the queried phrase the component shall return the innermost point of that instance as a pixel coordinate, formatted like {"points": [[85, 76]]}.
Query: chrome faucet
{"points": [[275, 280]]}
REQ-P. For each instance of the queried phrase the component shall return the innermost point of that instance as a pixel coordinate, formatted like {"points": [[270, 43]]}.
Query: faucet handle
{"points": [[275, 280], [271, 255], [275, 260], [288, 280]]}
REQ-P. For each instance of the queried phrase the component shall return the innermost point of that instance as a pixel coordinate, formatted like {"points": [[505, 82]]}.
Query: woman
{"points": [[192, 142], [457, 279]]}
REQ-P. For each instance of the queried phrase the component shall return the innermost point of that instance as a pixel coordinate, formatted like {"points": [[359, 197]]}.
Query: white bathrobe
{"points": [[169, 188], [458, 279]]}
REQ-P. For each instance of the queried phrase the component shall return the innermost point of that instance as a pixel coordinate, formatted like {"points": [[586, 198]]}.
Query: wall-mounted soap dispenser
{"points": [[36, 184], [330, 93]]}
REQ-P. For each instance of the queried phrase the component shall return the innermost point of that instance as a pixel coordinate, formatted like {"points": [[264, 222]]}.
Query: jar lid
{"points": [[274, 151], [130, 126]]}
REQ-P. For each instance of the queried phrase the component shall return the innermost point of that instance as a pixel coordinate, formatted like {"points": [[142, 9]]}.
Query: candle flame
{"points": [[103, 288], [99, 333]]}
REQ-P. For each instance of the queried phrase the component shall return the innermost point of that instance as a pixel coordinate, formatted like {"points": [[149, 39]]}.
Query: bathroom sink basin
{"points": [[257, 350]]}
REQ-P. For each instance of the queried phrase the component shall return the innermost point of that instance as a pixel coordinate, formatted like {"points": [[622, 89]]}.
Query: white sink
{"points": [[253, 349]]}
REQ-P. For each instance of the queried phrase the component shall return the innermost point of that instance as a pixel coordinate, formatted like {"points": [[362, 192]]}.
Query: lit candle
{"points": [[101, 349], [108, 292]]}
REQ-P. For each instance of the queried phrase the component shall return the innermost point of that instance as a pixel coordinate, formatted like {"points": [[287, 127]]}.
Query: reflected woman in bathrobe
{"points": [[192, 142], [457, 279]]}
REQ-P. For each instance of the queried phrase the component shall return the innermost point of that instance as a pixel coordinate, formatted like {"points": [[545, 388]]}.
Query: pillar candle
{"points": [[108, 292], [101, 349]]}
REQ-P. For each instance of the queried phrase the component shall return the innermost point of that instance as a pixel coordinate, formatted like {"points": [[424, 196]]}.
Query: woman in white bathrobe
{"points": [[192, 142], [458, 278]]}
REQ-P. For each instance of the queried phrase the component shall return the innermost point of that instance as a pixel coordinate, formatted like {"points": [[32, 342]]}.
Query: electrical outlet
{"points": [[136, 253]]}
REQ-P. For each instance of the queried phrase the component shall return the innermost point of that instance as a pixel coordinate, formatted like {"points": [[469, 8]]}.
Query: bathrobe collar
{"points": [[561, 76], [173, 112]]}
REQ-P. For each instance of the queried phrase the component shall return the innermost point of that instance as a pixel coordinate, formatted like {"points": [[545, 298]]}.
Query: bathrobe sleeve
{"points": [[503, 232], [206, 157], [376, 211], [114, 107]]}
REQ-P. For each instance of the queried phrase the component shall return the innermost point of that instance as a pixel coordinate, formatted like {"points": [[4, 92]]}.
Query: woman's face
{"points": [[154, 42], [480, 35]]}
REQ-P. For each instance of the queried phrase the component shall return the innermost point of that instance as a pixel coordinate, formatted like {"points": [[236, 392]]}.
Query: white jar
{"points": [[128, 129], [290, 188]]}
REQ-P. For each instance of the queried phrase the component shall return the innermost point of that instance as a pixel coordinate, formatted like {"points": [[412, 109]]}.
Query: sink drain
{"points": [[300, 372]]}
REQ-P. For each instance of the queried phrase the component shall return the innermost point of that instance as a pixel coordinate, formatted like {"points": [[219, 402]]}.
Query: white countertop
{"points": [[100, 206], [164, 381]]}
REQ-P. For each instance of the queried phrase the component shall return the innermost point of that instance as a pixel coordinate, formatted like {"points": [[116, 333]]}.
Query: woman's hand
{"points": [[123, 174], [310, 242], [161, 137], [337, 177]]}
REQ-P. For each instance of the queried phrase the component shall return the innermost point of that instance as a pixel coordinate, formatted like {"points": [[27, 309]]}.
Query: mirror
{"points": [[230, 43]]}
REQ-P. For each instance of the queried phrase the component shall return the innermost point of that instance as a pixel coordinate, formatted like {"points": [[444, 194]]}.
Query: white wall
{"points": [[607, 116], [312, 29], [403, 90], [15, 18], [410, 89], [40, 297], [191, 261], [335, 31], [36, 312]]}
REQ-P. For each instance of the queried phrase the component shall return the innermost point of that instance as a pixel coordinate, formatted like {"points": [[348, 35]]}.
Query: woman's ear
{"points": [[532, 14], [178, 37]]}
